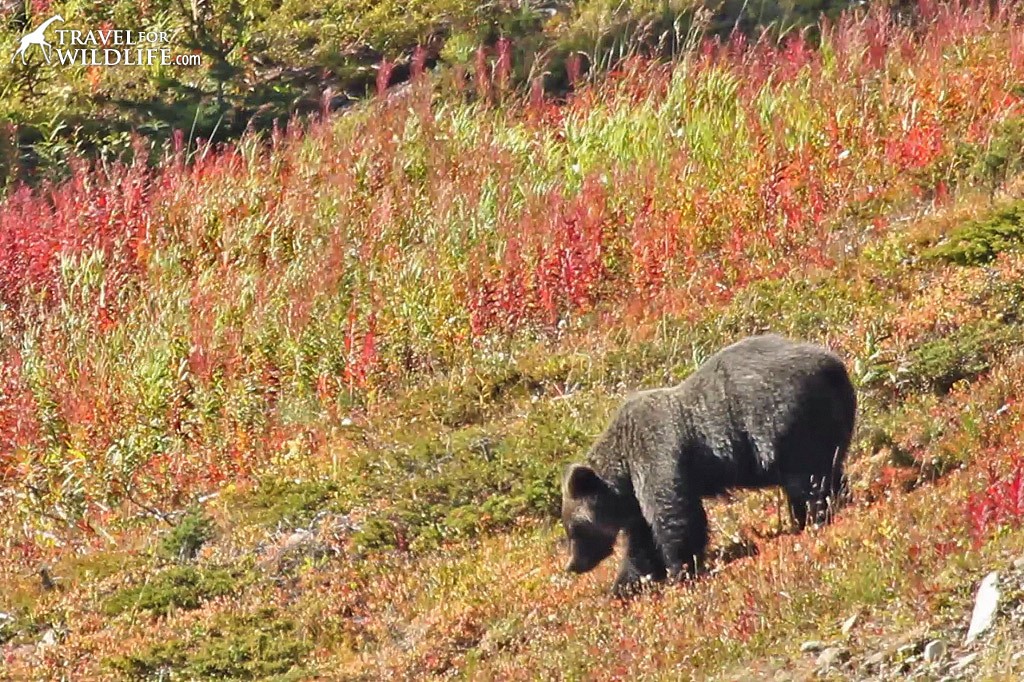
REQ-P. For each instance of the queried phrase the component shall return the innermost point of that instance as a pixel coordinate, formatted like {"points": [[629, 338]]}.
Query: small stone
{"points": [[1018, 563], [297, 538], [23, 651], [934, 650], [49, 638], [832, 657], [849, 624], [812, 646], [346, 422], [962, 663], [876, 660], [985, 606]]}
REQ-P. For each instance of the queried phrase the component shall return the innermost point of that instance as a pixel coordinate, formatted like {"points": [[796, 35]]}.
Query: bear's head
{"points": [[589, 516]]}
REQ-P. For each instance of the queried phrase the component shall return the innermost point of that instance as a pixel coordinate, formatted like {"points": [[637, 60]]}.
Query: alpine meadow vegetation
{"points": [[296, 406]]}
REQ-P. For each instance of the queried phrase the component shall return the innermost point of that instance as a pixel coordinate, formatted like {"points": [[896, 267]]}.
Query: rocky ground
{"points": [[983, 641]]}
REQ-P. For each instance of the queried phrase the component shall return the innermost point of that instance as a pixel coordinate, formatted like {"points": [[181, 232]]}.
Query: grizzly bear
{"points": [[765, 411]]}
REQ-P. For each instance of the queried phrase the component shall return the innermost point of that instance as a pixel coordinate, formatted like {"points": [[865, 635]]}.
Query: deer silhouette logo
{"points": [[37, 37]]}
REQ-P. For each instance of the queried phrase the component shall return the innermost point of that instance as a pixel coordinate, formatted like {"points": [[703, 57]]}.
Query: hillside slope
{"points": [[299, 411], [259, 63]]}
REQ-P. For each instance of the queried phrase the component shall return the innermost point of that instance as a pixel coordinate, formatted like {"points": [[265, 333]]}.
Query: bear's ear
{"points": [[582, 481]]}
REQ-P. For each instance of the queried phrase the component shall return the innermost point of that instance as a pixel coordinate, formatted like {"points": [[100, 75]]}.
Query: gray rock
{"points": [[934, 650], [849, 624], [812, 646], [288, 553], [832, 657], [1018, 563], [876, 660], [297, 539], [49, 638], [962, 663], [985, 606]]}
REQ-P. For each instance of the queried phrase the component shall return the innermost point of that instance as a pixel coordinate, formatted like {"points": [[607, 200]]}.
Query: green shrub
{"points": [[277, 502], [188, 536], [1001, 158], [157, 661], [8, 628], [254, 646], [179, 587], [376, 533], [963, 355], [979, 242]]}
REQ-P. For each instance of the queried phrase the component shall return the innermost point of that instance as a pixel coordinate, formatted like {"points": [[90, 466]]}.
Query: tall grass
{"points": [[161, 331]]}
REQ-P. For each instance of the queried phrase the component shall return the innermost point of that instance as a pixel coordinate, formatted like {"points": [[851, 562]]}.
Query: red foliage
{"points": [[654, 247], [384, 71], [1000, 504], [482, 74], [19, 425], [915, 147], [419, 61], [361, 356], [574, 68], [795, 55], [90, 212], [553, 264], [503, 67]]}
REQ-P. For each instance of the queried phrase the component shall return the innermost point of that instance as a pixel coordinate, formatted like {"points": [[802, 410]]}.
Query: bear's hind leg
{"points": [[798, 494], [812, 498], [832, 489]]}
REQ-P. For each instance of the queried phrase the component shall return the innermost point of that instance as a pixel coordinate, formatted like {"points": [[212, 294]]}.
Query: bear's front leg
{"points": [[683, 538], [642, 560]]}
